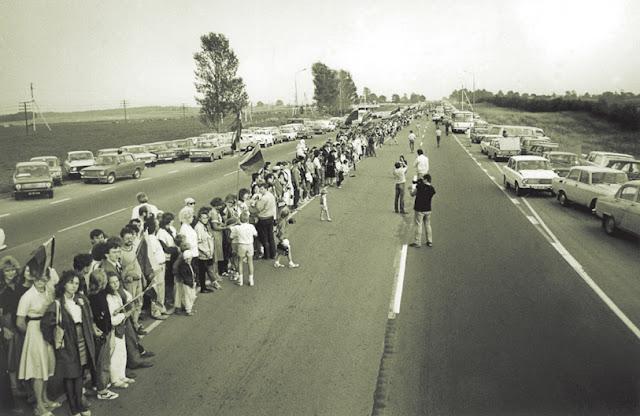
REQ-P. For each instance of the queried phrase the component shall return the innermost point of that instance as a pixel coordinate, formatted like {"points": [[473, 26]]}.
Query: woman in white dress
{"points": [[119, 355], [37, 361]]}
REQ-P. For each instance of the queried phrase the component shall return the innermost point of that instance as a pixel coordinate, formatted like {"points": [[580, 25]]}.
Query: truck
{"points": [[461, 121], [503, 148]]}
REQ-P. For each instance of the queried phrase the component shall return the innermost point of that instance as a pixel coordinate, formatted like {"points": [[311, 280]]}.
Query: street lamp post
{"points": [[295, 86]]}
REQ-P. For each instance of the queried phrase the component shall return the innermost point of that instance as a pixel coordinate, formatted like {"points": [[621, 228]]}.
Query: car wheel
{"points": [[50, 194], [562, 198], [517, 189], [137, 174], [111, 178], [17, 196], [592, 205], [489, 156], [609, 224], [211, 158]]}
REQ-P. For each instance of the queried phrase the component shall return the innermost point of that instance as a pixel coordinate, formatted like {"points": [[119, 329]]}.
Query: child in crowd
{"points": [[185, 282], [284, 246], [324, 208], [243, 234]]}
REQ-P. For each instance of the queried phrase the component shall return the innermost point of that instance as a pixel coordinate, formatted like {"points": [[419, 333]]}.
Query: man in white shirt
{"points": [[143, 200], [399, 176], [412, 140], [421, 164]]}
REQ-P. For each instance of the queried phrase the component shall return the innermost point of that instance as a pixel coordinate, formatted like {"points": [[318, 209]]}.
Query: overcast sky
{"points": [[87, 54]]}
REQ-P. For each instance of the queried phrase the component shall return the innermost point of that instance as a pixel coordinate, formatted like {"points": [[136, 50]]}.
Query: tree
{"points": [[395, 98], [279, 102], [326, 87], [221, 91], [259, 104], [414, 98], [382, 99], [347, 91], [404, 98], [372, 98]]}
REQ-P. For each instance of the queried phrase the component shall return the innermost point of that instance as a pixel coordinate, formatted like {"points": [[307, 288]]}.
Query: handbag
{"points": [[58, 332]]}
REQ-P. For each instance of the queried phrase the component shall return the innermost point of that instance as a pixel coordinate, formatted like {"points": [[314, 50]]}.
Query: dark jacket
{"points": [[100, 309], [183, 272], [68, 357], [423, 194]]}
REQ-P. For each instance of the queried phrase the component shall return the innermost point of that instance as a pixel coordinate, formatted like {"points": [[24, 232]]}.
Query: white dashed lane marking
{"points": [[59, 201]]}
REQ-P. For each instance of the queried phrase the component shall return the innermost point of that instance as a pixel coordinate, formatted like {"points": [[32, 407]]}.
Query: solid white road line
{"points": [[575, 264], [107, 188], [151, 327], [532, 219], [231, 173], [398, 283], [4, 215], [144, 179], [173, 171], [59, 201], [91, 220]]}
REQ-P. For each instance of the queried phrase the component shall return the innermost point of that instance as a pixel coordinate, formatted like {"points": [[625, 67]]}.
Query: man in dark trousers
{"points": [[423, 192]]}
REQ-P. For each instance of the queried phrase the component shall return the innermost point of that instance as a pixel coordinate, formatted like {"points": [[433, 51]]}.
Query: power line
{"points": [[124, 106]]}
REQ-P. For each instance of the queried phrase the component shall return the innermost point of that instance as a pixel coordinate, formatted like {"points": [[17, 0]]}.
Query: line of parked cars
{"points": [[40, 174], [607, 183]]}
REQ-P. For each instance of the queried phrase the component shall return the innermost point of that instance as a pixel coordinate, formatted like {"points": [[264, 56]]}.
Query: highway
{"points": [[495, 319]]}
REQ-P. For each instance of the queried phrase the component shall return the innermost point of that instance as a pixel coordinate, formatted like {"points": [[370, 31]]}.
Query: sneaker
{"points": [[108, 395], [293, 265], [160, 317], [329, 219], [416, 245], [141, 331], [189, 313], [120, 384], [277, 265], [240, 283], [250, 280], [217, 285], [129, 380], [429, 244]]}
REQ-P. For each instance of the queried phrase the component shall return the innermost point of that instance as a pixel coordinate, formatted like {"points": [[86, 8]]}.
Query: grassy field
{"points": [[574, 131]]}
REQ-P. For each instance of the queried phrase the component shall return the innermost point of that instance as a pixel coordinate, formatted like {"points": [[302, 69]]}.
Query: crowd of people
{"points": [[87, 320]]}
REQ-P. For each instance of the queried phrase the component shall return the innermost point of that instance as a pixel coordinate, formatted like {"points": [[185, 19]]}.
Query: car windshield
{"points": [[533, 165], [158, 147], [495, 130], [135, 149], [564, 159], [51, 162], [608, 177], [206, 144], [107, 160], [172, 145], [32, 171], [463, 116], [80, 156]]}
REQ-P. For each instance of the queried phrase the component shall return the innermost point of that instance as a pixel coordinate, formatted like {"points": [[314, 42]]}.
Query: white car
{"points": [[528, 173], [78, 160], [264, 137], [140, 152], [247, 141], [602, 158], [288, 133], [585, 184]]}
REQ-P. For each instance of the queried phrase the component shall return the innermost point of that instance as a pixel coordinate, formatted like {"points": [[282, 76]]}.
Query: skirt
{"points": [[15, 352], [82, 345], [37, 359]]}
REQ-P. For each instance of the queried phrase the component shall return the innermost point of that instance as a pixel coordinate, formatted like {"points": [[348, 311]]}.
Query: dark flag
{"points": [[142, 254], [395, 111], [252, 162], [351, 117], [42, 258]]}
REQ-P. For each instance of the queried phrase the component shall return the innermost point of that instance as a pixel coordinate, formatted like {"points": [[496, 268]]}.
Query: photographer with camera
{"points": [[400, 179], [423, 192]]}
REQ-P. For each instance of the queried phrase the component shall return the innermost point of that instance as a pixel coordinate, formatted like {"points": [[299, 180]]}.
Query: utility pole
{"points": [[33, 113], [23, 106], [124, 106], [184, 115]]}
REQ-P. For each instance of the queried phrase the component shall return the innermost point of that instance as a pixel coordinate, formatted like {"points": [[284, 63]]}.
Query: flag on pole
{"points": [[42, 258], [353, 116], [142, 254], [252, 162]]}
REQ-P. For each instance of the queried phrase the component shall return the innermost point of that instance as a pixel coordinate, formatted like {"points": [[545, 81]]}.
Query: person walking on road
{"points": [[324, 207], [421, 164], [423, 192], [399, 175], [438, 135], [412, 141]]}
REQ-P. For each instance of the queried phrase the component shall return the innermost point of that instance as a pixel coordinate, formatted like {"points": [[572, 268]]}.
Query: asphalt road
{"points": [[493, 320]]}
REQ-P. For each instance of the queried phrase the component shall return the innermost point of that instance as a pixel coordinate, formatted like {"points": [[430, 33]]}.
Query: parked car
{"points": [[54, 167], [2, 240], [247, 141], [479, 129], [162, 151], [598, 158], [585, 184], [140, 152], [110, 167], [561, 162], [503, 148], [76, 161], [288, 133], [628, 166], [264, 137], [528, 173], [622, 210], [106, 151], [538, 149], [206, 150], [527, 142], [183, 146], [32, 178]]}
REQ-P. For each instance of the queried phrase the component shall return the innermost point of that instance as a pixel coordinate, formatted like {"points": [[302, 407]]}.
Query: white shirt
{"points": [[422, 165], [244, 233], [74, 309], [412, 136], [192, 238], [150, 207]]}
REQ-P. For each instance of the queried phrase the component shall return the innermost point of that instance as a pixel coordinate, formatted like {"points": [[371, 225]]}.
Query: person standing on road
{"points": [[421, 164], [399, 175], [423, 192], [205, 246], [266, 212], [143, 201], [438, 134], [412, 141]]}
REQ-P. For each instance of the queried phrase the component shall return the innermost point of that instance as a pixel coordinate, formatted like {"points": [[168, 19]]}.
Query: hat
{"points": [[189, 200]]}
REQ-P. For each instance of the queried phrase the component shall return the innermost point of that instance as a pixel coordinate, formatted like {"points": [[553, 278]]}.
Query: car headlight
{"points": [[48, 185], [102, 172], [524, 181], [18, 187], [73, 170]]}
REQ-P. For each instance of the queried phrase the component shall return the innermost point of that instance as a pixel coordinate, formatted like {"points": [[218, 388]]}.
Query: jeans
{"points": [[399, 199], [73, 389], [100, 374], [422, 217], [265, 234], [411, 145], [205, 269]]}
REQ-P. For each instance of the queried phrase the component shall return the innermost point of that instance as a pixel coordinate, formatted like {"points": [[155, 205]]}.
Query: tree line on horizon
{"points": [[622, 108]]}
